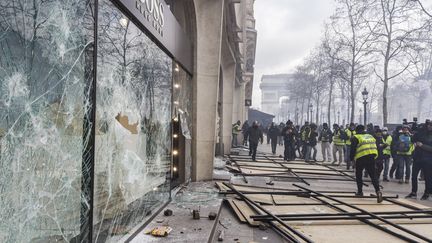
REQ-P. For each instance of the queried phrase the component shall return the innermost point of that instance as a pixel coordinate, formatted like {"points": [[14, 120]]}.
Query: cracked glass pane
{"points": [[44, 75], [133, 129]]}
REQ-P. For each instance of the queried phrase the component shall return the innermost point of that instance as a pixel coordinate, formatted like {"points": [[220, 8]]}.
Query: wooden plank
{"points": [[288, 199], [246, 211], [348, 233], [221, 186], [357, 201], [237, 211]]}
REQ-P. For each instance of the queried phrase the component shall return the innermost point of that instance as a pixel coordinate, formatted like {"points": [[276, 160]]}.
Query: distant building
{"points": [[263, 118], [274, 93]]}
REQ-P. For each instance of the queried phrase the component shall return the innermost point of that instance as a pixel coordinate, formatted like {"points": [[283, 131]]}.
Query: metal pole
{"points": [[348, 217], [275, 175], [364, 110], [375, 217], [283, 216]]}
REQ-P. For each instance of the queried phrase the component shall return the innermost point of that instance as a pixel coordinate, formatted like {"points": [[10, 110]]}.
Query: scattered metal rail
{"points": [[372, 215]]}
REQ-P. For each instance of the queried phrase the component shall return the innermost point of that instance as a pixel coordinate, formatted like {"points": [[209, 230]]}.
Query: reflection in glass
{"points": [[133, 136], [44, 67]]}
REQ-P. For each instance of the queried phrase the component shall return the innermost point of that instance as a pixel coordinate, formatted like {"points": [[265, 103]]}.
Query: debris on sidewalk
{"points": [[160, 231]]}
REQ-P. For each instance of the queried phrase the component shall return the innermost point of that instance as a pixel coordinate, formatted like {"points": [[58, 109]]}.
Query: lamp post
{"points": [[338, 113], [311, 112], [296, 115], [365, 94]]}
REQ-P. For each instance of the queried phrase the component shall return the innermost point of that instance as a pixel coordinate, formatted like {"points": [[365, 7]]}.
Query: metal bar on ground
{"points": [[280, 175], [299, 193], [284, 189], [375, 217], [238, 167], [291, 171], [348, 217], [404, 213], [294, 231]]}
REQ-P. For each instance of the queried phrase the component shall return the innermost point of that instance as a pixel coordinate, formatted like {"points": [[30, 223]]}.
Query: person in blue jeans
{"points": [[311, 142], [404, 149]]}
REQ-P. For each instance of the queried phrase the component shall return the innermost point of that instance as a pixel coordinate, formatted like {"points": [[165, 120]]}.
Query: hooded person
{"points": [[364, 152], [394, 167], [422, 158], [273, 134], [255, 136], [289, 134]]}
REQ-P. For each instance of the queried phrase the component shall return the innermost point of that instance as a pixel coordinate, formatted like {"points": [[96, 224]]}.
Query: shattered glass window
{"points": [[44, 75], [133, 130]]}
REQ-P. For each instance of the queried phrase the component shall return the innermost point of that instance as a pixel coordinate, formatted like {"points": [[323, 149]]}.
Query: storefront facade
{"points": [[105, 106], [87, 104]]}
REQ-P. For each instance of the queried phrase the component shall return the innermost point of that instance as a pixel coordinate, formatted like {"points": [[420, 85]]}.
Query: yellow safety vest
{"points": [[337, 140], [366, 146], [350, 134], [388, 141], [410, 151]]}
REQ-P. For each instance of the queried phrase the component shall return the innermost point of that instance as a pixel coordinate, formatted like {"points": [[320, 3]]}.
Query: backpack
{"points": [[404, 144], [343, 135]]}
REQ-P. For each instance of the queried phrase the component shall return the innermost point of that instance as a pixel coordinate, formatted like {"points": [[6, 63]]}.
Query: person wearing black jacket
{"points": [[364, 152], [244, 130], [255, 136], [273, 133], [422, 161], [326, 139], [381, 145], [289, 134], [311, 142]]}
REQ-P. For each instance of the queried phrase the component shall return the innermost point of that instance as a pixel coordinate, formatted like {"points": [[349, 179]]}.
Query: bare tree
{"points": [[349, 25], [393, 24]]}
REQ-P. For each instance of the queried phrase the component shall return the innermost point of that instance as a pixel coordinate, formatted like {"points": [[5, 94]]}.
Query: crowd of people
{"points": [[367, 150]]}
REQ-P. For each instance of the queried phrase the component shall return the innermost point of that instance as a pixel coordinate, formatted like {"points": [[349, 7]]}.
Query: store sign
{"points": [[156, 18], [153, 12]]}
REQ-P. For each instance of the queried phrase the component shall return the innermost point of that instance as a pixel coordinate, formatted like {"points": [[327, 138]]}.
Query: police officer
{"points": [[364, 152]]}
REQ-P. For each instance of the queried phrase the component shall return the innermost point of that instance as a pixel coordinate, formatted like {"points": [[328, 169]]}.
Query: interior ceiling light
{"points": [[124, 22]]}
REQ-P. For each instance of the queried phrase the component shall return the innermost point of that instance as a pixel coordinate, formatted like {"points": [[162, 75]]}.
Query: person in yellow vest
{"points": [[387, 152], [338, 143], [350, 132], [404, 150], [235, 132], [364, 152]]}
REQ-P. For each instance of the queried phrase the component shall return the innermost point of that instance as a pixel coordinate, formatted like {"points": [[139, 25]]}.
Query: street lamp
{"points": [[311, 112], [296, 115], [365, 94], [338, 113]]}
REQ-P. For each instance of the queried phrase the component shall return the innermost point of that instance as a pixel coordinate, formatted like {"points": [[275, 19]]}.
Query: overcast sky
{"points": [[287, 31]]}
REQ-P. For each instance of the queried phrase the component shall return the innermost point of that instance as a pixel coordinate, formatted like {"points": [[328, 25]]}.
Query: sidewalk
{"points": [[204, 196]]}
